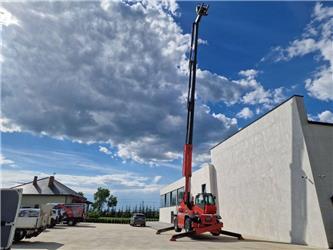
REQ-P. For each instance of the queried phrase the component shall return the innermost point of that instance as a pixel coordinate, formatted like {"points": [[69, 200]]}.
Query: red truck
{"points": [[72, 213]]}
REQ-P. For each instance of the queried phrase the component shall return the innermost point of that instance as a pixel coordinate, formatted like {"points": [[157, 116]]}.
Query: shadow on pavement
{"points": [[65, 226], [210, 238], [205, 237], [84, 225], [272, 242], [37, 245], [60, 227]]}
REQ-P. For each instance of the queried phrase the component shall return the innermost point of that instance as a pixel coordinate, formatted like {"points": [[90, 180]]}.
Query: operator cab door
{"points": [[200, 201], [206, 202]]}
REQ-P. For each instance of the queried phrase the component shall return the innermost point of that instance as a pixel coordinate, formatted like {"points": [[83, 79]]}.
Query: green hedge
{"points": [[114, 220]]}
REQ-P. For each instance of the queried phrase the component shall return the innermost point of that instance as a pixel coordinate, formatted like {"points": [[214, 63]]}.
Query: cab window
{"points": [[199, 200], [209, 199]]}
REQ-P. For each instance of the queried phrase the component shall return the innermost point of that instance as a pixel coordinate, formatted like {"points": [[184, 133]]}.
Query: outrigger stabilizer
{"points": [[197, 232]]}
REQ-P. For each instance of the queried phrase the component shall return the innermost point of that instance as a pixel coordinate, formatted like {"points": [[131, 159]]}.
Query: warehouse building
{"points": [[273, 179], [48, 190]]}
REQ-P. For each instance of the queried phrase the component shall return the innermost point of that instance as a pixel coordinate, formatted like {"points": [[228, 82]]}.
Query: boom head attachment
{"points": [[202, 9]]}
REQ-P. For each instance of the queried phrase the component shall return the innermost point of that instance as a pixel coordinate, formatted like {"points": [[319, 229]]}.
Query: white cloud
{"points": [[326, 116], [249, 73], [106, 151], [116, 78], [119, 77], [317, 38], [6, 126], [203, 158], [257, 96], [122, 182], [226, 120], [297, 48], [216, 88], [278, 95], [6, 18], [257, 93], [157, 179], [4, 161], [321, 12], [245, 113], [321, 85]]}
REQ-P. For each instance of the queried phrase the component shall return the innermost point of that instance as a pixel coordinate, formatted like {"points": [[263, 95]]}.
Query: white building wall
{"points": [[205, 175], [265, 183], [273, 179]]}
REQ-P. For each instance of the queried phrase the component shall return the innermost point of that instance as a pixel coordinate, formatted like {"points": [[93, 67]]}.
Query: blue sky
{"points": [[94, 92]]}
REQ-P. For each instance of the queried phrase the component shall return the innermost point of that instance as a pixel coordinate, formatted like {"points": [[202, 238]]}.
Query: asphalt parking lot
{"points": [[119, 236]]}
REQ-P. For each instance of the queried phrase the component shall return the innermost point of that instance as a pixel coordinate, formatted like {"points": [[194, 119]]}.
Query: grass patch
{"points": [[114, 220]]}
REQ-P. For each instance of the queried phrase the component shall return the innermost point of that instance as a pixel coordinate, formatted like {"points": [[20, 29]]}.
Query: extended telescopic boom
{"points": [[187, 162]]}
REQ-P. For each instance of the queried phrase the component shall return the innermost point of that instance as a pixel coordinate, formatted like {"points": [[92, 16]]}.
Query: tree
{"points": [[112, 201], [100, 198]]}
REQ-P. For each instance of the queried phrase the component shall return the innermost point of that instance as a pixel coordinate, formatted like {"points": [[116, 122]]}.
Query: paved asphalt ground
{"points": [[118, 236]]}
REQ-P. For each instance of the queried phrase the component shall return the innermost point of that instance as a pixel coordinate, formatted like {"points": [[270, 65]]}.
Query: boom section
{"points": [[187, 161]]}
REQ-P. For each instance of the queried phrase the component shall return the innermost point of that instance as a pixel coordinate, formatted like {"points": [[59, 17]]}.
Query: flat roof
{"points": [[309, 121]]}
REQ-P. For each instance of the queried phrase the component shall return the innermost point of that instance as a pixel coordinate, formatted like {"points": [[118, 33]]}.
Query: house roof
{"points": [[47, 186]]}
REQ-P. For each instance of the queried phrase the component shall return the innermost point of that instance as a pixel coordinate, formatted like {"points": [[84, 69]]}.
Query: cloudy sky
{"points": [[95, 92]]}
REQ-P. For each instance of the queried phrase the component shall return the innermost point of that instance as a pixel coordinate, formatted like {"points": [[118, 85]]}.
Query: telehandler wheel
{"points": [[188, 225], [216, 233], [175, 223]]}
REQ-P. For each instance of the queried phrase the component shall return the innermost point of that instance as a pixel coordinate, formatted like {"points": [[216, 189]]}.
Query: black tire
{"points": [[52, 223], [19, 235], [188, 225], [175, 224], [70, 223]]}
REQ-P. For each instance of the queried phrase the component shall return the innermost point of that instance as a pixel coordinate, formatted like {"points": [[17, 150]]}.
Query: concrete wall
{"points": [[205, 175], [265, 180], [319, 140], [32, 200]]}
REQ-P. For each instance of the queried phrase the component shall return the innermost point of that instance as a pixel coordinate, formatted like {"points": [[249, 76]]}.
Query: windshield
{"points": [[199, 200], [209, 199], [205, 199]]}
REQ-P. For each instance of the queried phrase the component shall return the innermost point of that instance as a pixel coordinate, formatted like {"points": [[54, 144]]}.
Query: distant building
{"points": [[273, 179], [48, 190]]}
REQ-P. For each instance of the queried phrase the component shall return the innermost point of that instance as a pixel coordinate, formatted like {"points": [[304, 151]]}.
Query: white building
{"points": [[273, 179]]}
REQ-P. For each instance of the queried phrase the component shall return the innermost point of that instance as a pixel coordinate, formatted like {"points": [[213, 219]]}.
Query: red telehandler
{"points": [[195, 216]]}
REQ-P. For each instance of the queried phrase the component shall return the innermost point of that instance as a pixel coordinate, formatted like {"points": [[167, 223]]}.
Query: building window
{"points": [[173, 198], [167, 200], [180, 194], [162, 200], [203, 188]]}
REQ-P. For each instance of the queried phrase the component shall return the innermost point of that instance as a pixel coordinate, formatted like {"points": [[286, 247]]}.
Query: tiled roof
{"points": [[47, 186]]}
